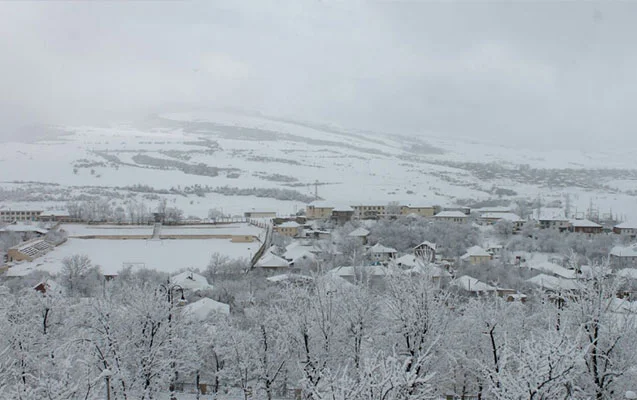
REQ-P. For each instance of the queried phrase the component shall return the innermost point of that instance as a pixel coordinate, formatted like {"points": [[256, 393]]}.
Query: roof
{"points": [[624, 251], [427, 244], [191, 281], [290, 224], [343, 208], [408, 260], [584, 223], [496, 209], [476, 251], [375, 270], [202, 309], [554, 282], [628, 273], [23, 228], [33, 247], [290, 277], [554, 269], [359, 232], [472, 284], [379, 248], [506, 216], [450, 214], [299, 253], [627, 225], [270, 260]]}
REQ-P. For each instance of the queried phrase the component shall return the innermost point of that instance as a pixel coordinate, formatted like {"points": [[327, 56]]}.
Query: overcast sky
{"points": [[538, 74]]}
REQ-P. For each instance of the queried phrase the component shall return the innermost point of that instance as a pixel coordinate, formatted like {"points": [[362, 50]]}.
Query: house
{"points": [[552, 218], [473, 286], [426, 251], [25, 231], [554, 283], [29, 250], [272, 262], [319, 209], [626, 229], [342, 214], [189, 280], [56, 216], [299, 255], [11, 215], [288, 228], [380, 253], [370, 273], [259, 214], [457, 217], [585, 226], [48, 286], [317, 234], [495, 250], [371, 211], [493, 210], [407, 261], [493, 218], [623, 255], [360, 234], [554, 269], [476, 255], [421, 210], [433, 271], [204, 309]]}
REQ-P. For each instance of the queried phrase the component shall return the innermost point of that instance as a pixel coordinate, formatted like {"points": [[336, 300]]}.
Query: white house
{"points": [[626, 229], [457, 217], [381, 253]]}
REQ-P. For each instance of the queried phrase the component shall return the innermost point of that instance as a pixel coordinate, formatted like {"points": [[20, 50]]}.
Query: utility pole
{"points": [[316, 183]]}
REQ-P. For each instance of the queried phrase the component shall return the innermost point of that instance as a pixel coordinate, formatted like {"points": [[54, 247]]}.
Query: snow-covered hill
{"points": [[199, 152]]}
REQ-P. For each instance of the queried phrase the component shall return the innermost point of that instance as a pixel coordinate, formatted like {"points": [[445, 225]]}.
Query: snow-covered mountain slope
{"points": [[198, 152]]}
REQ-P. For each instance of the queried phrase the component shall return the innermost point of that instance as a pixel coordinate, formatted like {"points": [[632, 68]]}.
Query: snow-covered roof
{"points": [[270, 260], [23, 228], [290, 224], [624, 251], [380, 249], [375, 270], [450, 214], [408, 260], [554, 269], [627, 225], [496, 209], [289, 277], [359, 232], [584, 223], [299, 253], [343, 208], [476, 251], [472, 284], [191, 281], [506, 216], [628, 273], [202, 309], [427, 244], [554, 283]]}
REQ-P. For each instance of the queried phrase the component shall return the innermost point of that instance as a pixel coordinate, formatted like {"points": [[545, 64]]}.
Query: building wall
{"points": [[479, 259], [287, 231], [14, 215], [260, 214], [313, 212], [422, 211]]}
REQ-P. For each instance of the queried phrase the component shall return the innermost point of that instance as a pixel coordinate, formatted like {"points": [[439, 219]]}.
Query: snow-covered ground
{"points": [[260, 152], [162, 255]]}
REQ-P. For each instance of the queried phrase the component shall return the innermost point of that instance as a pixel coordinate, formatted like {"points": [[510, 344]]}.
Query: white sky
{"points": [[535, 74]]}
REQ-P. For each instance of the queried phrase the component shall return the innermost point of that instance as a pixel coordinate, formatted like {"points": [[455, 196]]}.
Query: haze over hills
{"points": [[230, 154]]}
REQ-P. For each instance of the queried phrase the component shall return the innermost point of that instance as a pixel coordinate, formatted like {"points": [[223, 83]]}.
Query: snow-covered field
{"points": [[162, 255], [261, 152]]}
